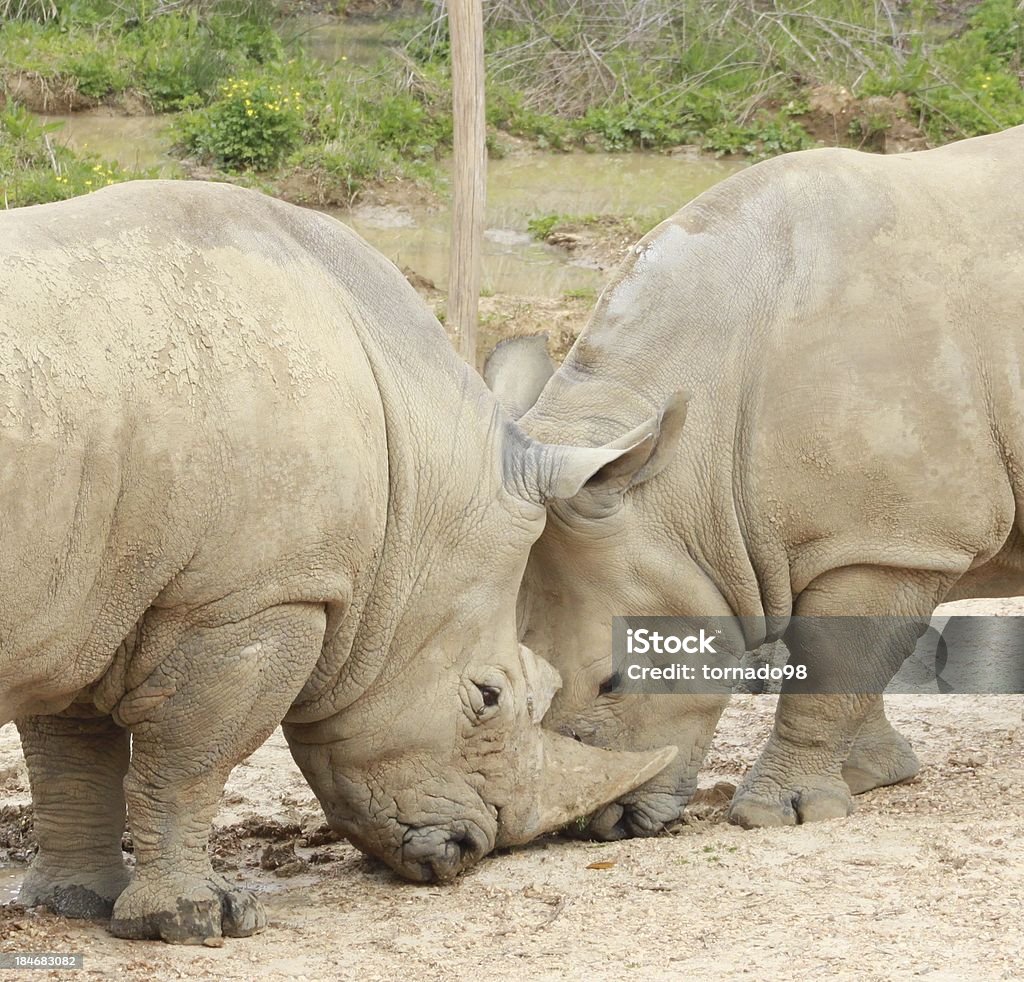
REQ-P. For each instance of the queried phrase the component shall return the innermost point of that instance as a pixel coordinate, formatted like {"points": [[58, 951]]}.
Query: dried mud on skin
{"points": [[925, 879]]}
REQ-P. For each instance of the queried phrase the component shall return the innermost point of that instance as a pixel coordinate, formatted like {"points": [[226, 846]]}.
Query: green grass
{"points": [[105, 51], [543, 225], [587, 293], [371, 127], [35, 169], [969, 84]]}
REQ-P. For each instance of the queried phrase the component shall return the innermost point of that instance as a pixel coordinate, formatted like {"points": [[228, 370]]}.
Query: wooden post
{"points": [[469, 190]]}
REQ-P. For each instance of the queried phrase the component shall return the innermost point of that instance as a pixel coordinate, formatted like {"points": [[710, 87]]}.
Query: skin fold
{"points": [[817, 365], [244, 479]]}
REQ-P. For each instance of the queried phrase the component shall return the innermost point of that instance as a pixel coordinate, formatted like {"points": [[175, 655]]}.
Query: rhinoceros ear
{"points": [[517, 370], [596, 479]]}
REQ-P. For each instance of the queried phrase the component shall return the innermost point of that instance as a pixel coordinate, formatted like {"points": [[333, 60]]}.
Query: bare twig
{"points": [[49, 151]]}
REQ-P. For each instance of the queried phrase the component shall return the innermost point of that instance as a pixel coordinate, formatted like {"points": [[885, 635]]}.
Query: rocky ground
{"points": [[925, 879]]}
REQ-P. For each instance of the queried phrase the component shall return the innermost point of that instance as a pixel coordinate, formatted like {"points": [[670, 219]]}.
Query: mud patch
{"points": [[45, 95], [136, 142], [10, 883], [880, 124], [17, 840], [601, 242]]}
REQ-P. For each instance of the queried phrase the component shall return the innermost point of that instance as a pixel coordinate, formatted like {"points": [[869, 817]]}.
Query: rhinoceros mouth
{"points": [[436, 854]]}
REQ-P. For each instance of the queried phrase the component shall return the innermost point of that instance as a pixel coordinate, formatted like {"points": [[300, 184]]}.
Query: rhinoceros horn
{"points": [[574, 781], [559, 780]]}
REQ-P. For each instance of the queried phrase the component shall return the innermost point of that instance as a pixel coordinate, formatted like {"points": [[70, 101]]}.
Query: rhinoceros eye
{"points": [[490, 694], [609, 684]]}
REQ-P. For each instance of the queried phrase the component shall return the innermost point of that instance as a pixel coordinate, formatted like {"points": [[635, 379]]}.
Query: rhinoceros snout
{"points": [[437, 854]]}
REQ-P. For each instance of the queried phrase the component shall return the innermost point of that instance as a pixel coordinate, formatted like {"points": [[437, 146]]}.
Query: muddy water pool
{"points": [[339, 44], [135, 142], [649, 186], [10, 882]]}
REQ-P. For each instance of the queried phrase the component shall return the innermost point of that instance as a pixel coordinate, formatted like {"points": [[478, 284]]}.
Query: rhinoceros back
{"points": [[175, 372]]}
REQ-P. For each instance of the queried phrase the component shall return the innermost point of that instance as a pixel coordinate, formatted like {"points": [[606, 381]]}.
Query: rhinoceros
{"points": [[246, 479], [819, 364]]}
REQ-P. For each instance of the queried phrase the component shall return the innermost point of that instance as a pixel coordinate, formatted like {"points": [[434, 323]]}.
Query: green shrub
{"points": [[405, 124], [999, 25], [96, 73], [366, 128], [542, 226], [254, 123]]}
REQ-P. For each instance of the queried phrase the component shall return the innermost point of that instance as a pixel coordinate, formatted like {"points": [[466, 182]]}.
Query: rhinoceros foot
{"points": [[89, 896], [186, 910], [765, 804], [879, 756]]}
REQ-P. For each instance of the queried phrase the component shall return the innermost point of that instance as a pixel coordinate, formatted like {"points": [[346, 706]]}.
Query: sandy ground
{"points": [[925, 879]]}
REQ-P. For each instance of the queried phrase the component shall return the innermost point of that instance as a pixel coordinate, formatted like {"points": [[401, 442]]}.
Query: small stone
{"points": [[968, 758], [290, 869]]}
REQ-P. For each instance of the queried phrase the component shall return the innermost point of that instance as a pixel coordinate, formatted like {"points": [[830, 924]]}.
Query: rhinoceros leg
{"points": [[798, 777], [75, 767], [214, 695], [879, 755]]}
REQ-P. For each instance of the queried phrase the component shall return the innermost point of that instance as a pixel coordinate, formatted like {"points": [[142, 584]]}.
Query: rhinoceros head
{"points": [[599, 557], [443, 757], [609, 550]]}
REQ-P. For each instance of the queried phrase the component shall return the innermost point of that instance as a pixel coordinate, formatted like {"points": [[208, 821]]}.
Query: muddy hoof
{"points": [[85, 896], [184, 911]]}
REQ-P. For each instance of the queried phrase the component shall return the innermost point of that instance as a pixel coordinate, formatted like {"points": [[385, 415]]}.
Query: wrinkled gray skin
{"points": [[848, 331], [245, 478]]}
